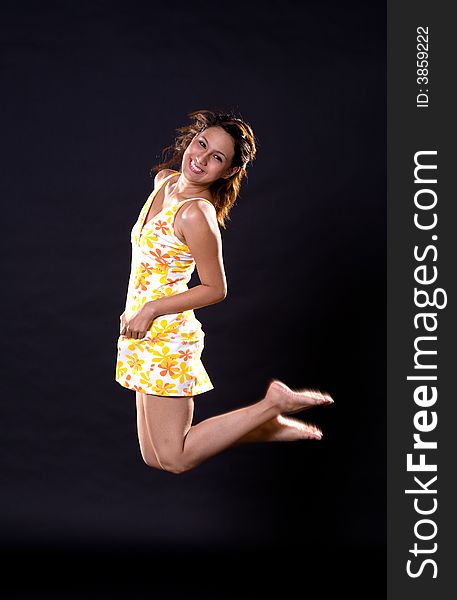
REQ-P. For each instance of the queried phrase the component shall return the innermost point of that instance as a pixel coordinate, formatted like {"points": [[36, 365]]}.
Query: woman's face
{"points": [[209, 155]]}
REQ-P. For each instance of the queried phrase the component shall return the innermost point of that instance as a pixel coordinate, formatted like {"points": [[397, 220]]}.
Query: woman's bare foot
{"points": [[291, 401], [282, 429], [285, 429]]}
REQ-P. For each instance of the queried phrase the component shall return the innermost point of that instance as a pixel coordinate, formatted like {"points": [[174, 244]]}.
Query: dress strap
{"points": [[165, 179], [178, 205], [189, 199]]}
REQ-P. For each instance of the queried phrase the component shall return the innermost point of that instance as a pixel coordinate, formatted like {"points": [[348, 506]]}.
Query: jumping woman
{"points": [[161, 341]]}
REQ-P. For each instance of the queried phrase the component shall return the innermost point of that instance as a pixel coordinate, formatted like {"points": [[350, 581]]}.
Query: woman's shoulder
{"points": [[161, 175]]}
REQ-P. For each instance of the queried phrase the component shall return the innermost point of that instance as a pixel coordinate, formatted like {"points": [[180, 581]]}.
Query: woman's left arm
{"points": [[199, 227]]}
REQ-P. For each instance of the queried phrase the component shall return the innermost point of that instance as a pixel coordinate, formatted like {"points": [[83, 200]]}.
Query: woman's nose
{"points": [[203, 158]]}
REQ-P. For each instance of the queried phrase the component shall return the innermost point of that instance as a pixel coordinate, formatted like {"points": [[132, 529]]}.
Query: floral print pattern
{"points": [[167, 361]]}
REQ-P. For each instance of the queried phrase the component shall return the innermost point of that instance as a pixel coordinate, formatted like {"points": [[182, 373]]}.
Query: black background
{"points": [[91, 93]]}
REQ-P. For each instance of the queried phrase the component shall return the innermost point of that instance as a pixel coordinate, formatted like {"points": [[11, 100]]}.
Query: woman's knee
{"points": [[166, 458], [170, 463], [175, 463], [169, 420], [150, 459]]}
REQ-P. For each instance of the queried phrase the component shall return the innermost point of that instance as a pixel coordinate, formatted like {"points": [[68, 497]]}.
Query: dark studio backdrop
{"points": [[91, 93]]}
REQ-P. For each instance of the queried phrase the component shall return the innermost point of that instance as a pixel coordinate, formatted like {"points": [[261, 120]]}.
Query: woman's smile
{"points": [[194, 168]]}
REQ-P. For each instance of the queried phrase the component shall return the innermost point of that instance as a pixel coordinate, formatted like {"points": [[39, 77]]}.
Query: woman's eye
{"points": [[202, 143]]}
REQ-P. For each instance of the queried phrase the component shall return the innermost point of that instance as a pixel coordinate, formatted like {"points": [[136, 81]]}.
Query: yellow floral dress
{"points": [[167, 361]]}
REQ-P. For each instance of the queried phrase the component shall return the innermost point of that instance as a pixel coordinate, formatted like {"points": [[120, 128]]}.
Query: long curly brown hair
{"points": [[224, 191]]}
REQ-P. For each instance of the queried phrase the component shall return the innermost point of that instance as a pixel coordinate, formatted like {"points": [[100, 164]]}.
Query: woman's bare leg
{"points": [[146, 446], [278, 429], [180, 446]]}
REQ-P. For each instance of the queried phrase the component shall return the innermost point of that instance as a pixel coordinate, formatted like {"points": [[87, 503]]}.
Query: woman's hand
{"points": [[123, 323], [138, 325]]}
